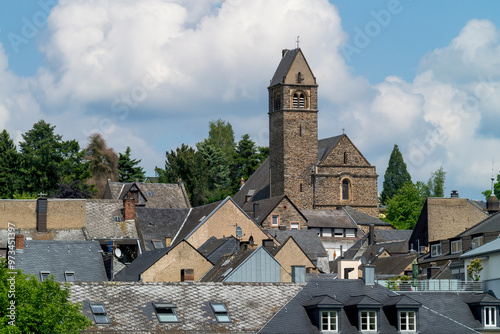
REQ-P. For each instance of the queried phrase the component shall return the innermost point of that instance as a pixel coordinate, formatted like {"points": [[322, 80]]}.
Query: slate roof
{"points": [[100, 220], [437, 314], [326, 145], [392, 235], [67, 235], [284, 66], [156, 224], [490, 247], [328, 218], [307, 240], [213, 249], [195, 218], [130, 310], [392, 265], [84, 258], [490, 224], [133, 271], [226, 265], [362, 218], [256, 186], [157, 195]]}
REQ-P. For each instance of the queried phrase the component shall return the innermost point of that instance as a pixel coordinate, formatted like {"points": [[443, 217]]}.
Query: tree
{"points": [[496, 189], [9, 166], [103, 162], [216, 172], [474, 269], [221, 135], [404, 207], [395, 175], [40, 158], [74, 189], [128, 171], [436, 183], [40, 307]]}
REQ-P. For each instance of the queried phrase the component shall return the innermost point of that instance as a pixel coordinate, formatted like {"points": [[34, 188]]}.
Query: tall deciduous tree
{"points": [[40, 307], [128, 169], [436, 183], [9, 166], [404, 207], [396, 175], [103, 162], [221, 135]]}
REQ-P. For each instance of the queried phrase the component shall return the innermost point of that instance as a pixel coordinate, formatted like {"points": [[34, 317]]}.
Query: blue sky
{"points": [[151, 74]]}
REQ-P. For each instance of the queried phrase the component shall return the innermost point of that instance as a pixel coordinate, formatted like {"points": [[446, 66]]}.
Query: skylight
{"points": [[157, 244], [165, 312], [44, 275], [220, 312], [100, 314], [70, 276]]}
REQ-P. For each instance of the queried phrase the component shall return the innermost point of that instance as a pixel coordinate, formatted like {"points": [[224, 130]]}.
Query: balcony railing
{"points": [[433, 285]]}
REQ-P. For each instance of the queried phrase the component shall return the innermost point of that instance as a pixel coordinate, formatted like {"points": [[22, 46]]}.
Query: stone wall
{"points": [[287, 213], [168, 268]]}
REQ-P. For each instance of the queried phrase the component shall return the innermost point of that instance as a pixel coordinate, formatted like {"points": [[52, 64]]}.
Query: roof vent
{"points": [[454, 194]]}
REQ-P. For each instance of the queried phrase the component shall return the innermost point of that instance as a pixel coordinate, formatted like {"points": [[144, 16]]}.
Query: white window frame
{"points": [[324, 232], [294, 223], [459, 247], [44, 275], [371, 320], [480, 238], [407, 315], [168, 315], [100, 318], [68, 274], [350, 235], [221, 313], [490, 316], [434, 250], [329, 321], [338, 230], [277, 216]]}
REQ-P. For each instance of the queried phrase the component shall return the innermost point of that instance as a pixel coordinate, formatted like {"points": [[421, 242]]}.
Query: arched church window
{"points": [[345, 189], [299, 100]]}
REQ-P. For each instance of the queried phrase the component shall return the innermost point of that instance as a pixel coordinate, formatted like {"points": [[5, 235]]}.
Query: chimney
{"points": [[41, 214], [492, 205], [129, 208], [283, 52], [255, 210], [298, 274], [20, 242], [432, 271], [187, 275], [268, 244], [454, 194], [369, 275], [282, 227], [371, 235]]}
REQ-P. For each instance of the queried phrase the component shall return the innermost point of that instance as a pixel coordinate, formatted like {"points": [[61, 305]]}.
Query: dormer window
{"points": [[436, 250], [329, 321], [456, 246], [407, 321], [299, 100], [477, 241], [490, 316], [368, 321]]}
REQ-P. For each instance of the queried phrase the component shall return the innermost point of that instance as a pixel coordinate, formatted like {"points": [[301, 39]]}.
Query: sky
{"points": [[151, 74]]}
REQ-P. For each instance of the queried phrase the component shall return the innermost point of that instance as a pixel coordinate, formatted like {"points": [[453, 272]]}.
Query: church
{"points": [[330, 173]]}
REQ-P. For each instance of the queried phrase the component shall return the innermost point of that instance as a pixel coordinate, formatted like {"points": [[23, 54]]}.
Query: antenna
{"points": [[297, 41], [492, 176]]}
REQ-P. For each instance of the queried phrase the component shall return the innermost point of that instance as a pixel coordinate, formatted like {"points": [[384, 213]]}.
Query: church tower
{"points": [[293, 129]]}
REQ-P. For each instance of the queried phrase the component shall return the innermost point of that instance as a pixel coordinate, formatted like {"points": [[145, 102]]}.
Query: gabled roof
{"points": [[323, 301], [362, 218], [362, 301], [257, 185], [328, 218], [157, 195], [100, 220], [393, 265], [490, 224], [266, 207], [285, 65], [130, 310], [307, 240], [326, 145], [84, 258], [213, 249], [133, 271], [401, 301], [155, 223]]}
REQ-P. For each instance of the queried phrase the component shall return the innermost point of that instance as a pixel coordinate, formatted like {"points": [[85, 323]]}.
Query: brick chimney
{"points": [[454, 194], [187, 275], [129, 208], [20, 242]]}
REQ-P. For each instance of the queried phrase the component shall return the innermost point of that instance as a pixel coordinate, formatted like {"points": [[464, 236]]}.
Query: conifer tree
{"points": [[395, 176], [9, 164], [128, 169]]}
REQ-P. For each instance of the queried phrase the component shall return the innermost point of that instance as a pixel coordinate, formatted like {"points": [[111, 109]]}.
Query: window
{"points": [[490, 316], [44, 275], [456, 246], [70, 276], [157, 244], [350, 232], [299, 100], [345, 158], [329, 321], [165, 312], [368, 320], [275, 220], [99, 312], [301, 189], [345, 189], [326, 232], [277, 101], [436, 250], [339, 232], [477, 241], [407, 321], [294, 225], [220, 312], [300, 130]]}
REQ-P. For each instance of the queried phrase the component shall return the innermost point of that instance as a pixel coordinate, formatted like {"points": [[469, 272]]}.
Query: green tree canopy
{"points": [[221, 135], [436, 183], [40, 307], [395, 176], [247, 158], [404, 207], [128, 169], [9, 166]]}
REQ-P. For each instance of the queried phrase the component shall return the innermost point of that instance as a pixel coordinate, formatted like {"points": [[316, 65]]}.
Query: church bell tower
{"points": [[293, 129]]}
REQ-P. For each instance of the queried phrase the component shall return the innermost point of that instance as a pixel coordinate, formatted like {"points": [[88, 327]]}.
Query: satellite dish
{"points": [[239, 232], [118, 253]]}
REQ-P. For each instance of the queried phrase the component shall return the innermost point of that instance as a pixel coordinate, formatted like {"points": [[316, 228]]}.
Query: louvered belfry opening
{"points": [[41, 215]]}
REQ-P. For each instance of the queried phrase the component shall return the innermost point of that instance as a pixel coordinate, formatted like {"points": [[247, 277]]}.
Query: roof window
{"points": [[100, 314], [220, 312], [165, 312]]}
